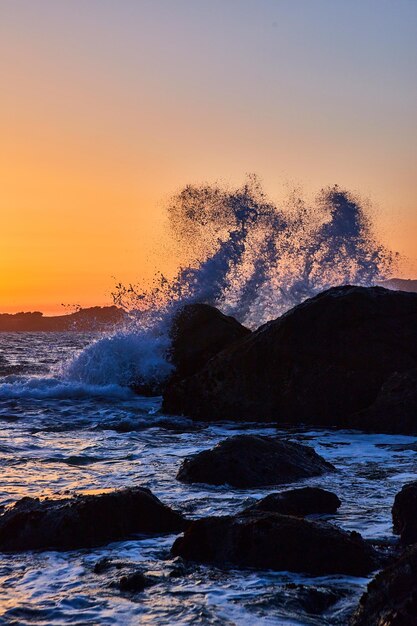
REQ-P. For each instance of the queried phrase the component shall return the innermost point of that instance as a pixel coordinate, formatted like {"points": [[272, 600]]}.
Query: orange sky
{"points": [[107, 108]]}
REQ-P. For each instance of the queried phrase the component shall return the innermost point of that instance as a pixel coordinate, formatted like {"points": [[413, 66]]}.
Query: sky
{"points": [[108, 107]]}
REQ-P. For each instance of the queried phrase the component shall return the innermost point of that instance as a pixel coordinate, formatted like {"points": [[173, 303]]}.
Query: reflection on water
{"points": [[61, 445]]}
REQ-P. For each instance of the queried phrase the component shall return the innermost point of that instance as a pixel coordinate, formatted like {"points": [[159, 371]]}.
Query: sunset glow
{"points": [[108, 108]]}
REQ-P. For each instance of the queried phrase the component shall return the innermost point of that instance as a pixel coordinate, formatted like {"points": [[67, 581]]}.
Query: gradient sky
{"points": [[108, 107]]}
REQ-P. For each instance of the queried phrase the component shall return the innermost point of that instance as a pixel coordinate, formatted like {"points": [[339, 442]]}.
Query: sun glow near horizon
{"points": [[108, 109]]}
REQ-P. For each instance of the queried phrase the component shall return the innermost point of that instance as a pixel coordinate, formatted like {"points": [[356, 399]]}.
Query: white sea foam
{"points": [[123, 359], [17, 387]]}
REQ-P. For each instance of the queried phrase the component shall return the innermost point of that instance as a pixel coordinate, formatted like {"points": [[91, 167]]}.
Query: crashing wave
{"points": [[255, 260], [251, 259]]}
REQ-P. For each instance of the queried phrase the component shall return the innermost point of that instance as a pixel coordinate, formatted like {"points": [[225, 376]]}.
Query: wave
{"points": [[125, 359], [54, 388], [251, 259], [255, 260]]}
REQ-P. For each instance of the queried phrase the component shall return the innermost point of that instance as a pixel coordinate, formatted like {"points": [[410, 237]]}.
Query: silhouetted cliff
{"points": [[91, 319]]}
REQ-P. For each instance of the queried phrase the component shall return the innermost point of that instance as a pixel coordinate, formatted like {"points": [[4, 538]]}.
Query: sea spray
{"points": [[135, 358], [252, 259], [255, 260]]}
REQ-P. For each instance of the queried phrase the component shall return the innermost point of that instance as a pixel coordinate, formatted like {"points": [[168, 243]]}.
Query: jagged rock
{"points": [[278, 542], [247, 461], [404, 513], [321, 363], [391, 597], [299, 502], [85, 520], [198, 332]]}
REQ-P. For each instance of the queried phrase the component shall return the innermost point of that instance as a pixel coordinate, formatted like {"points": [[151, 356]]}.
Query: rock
{"points": [[404, 513], [321, 363], [246, 461], [134, 582], [198, 332], [299, 502], [394, 409], [312, 600], [84, 521], [391, 597], [278, 542]]}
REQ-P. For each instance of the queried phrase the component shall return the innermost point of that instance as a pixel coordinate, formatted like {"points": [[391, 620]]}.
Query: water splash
{"points": [[255, 260], [251, 259], [135, 357]]}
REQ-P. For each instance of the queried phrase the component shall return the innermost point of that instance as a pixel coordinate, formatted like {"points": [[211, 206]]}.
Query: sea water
{"points": [[59, 435]]}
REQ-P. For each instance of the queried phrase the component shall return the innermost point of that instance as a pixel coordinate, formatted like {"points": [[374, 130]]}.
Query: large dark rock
{"points": [[404, 513], [391, 598], [299, 502], [246, 461], [278, 542], [85, 520], [320, 363], [394, 409], [198, 332]]}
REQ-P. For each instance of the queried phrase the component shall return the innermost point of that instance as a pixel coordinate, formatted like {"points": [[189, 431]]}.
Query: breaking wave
{"points": [[255, 260], [250, 258]]}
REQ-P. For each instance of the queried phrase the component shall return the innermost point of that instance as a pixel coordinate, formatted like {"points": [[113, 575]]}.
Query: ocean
{"points": [[63, 435]]}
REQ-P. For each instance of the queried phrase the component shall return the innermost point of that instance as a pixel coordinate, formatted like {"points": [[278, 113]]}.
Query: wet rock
{"points": [[101, 566], [313, 600], [278, 542], [404, 513], [85, 520], [135, 582], [299, 502], [246, 461], [391, 597], [321, 363], [132, 580], [394, 409], [198, 332]]}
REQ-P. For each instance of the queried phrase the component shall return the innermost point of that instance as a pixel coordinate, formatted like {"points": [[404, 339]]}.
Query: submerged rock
{"points": [[198, 332], [86, 520], [134, 582], [129, 578], [311, 600], [391, 598], [321, 363], [404, 513], [246, 461], [278, 542], [298, 502]]}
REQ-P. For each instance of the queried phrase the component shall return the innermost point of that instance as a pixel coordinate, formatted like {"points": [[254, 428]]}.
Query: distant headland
{"points": [[91, 319], [98, 318]]}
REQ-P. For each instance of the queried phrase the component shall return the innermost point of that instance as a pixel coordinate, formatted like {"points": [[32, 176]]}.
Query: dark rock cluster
{"points": [[345, 358]]}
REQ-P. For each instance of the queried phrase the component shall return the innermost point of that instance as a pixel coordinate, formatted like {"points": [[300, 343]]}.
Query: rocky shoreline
{"points": [[350, 354]]}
